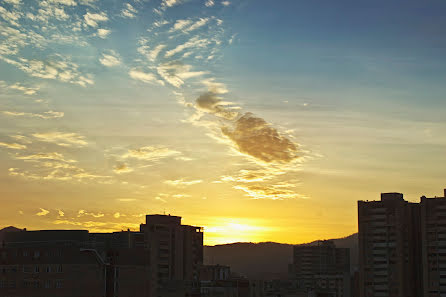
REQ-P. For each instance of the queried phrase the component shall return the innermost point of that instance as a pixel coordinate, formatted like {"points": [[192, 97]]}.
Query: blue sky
{"points": [[267, 119]]}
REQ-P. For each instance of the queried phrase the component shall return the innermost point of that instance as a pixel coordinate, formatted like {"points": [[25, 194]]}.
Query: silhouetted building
{"points": [[389, 252], [78, 263], [322, 268], [176, 255], [433, 245]]}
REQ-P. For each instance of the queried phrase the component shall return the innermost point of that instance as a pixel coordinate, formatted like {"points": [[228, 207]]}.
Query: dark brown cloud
{"points": [[254, 136], [211, 103]]}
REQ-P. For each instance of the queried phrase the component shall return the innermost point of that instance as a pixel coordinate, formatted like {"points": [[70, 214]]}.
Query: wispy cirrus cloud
{"points": [[19, 87], [182, 182], [278, 191], [189, 25], [194, 42], [42, 212], [176, 73], [122, 168], [46, 115], [57, 68], [128, 11], [150, 153], [92, 19], [54, 156], [14, 146], [170, 3], [209, 3], [103, 33], [62, 138], [110, 59], [144, 76]]}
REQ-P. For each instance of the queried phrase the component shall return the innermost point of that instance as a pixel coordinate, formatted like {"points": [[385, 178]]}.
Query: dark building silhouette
{"points": [[402, 247], [433, 245], [176, 255], [161, 260], [322, 269]]}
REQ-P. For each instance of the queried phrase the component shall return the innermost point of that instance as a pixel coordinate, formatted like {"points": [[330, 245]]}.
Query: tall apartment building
{"points": [[322, 268], [433, 241], [176, 255], [402, 247], [388, 247], [76, 263]]}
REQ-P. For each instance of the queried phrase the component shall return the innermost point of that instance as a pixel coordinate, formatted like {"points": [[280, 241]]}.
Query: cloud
{"points": [[175, 73], [251, 176], [45, 156], [103, 33], [83, 212], [25, 90], [170, 3], [122, 168], [110, 59], [226, 3], [209, 3], [194, 42], [92, 19], [182, 182], [150, 153], [13, 2], [211, 103], [274, 192], [53, 166], [128, 11], [117, 215], [11, 17], [21, 138], [46, 115], [126, 199], [61, 213], [253, 136], [57, 67], [13, 146], [62, 139], [64, 2], [189, 25], [153, 54], [214, 87], [43, 212], [143, 76]]}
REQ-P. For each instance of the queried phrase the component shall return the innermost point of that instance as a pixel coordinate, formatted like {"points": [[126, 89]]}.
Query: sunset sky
{"points": [[259, 120]]}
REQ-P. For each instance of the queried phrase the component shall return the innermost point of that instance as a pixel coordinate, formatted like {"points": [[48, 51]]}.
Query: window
{"points": [[36, 269], [48, 269], [47, 284], [59, 269], [59, 284], [27, 269], [36, 254]]}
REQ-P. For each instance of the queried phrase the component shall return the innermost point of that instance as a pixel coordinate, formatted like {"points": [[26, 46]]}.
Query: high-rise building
{"points": [[163, 260], [176, 255], [433, 245], [389, 236], [322, 268], [402, 247]]}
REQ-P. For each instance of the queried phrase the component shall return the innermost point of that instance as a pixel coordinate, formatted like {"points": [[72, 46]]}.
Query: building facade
{"points": [[402, 247], [433, 239], [76, 263], [322, 268]]}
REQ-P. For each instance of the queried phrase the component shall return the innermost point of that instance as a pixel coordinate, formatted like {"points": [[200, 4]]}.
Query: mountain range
{"points": [[267, 260]]}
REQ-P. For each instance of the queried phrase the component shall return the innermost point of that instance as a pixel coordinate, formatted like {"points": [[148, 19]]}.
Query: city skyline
{"points": [[257, 121]]}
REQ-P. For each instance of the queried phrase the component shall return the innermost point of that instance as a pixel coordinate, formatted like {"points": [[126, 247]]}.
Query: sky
{"points": [[258, 120]]}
